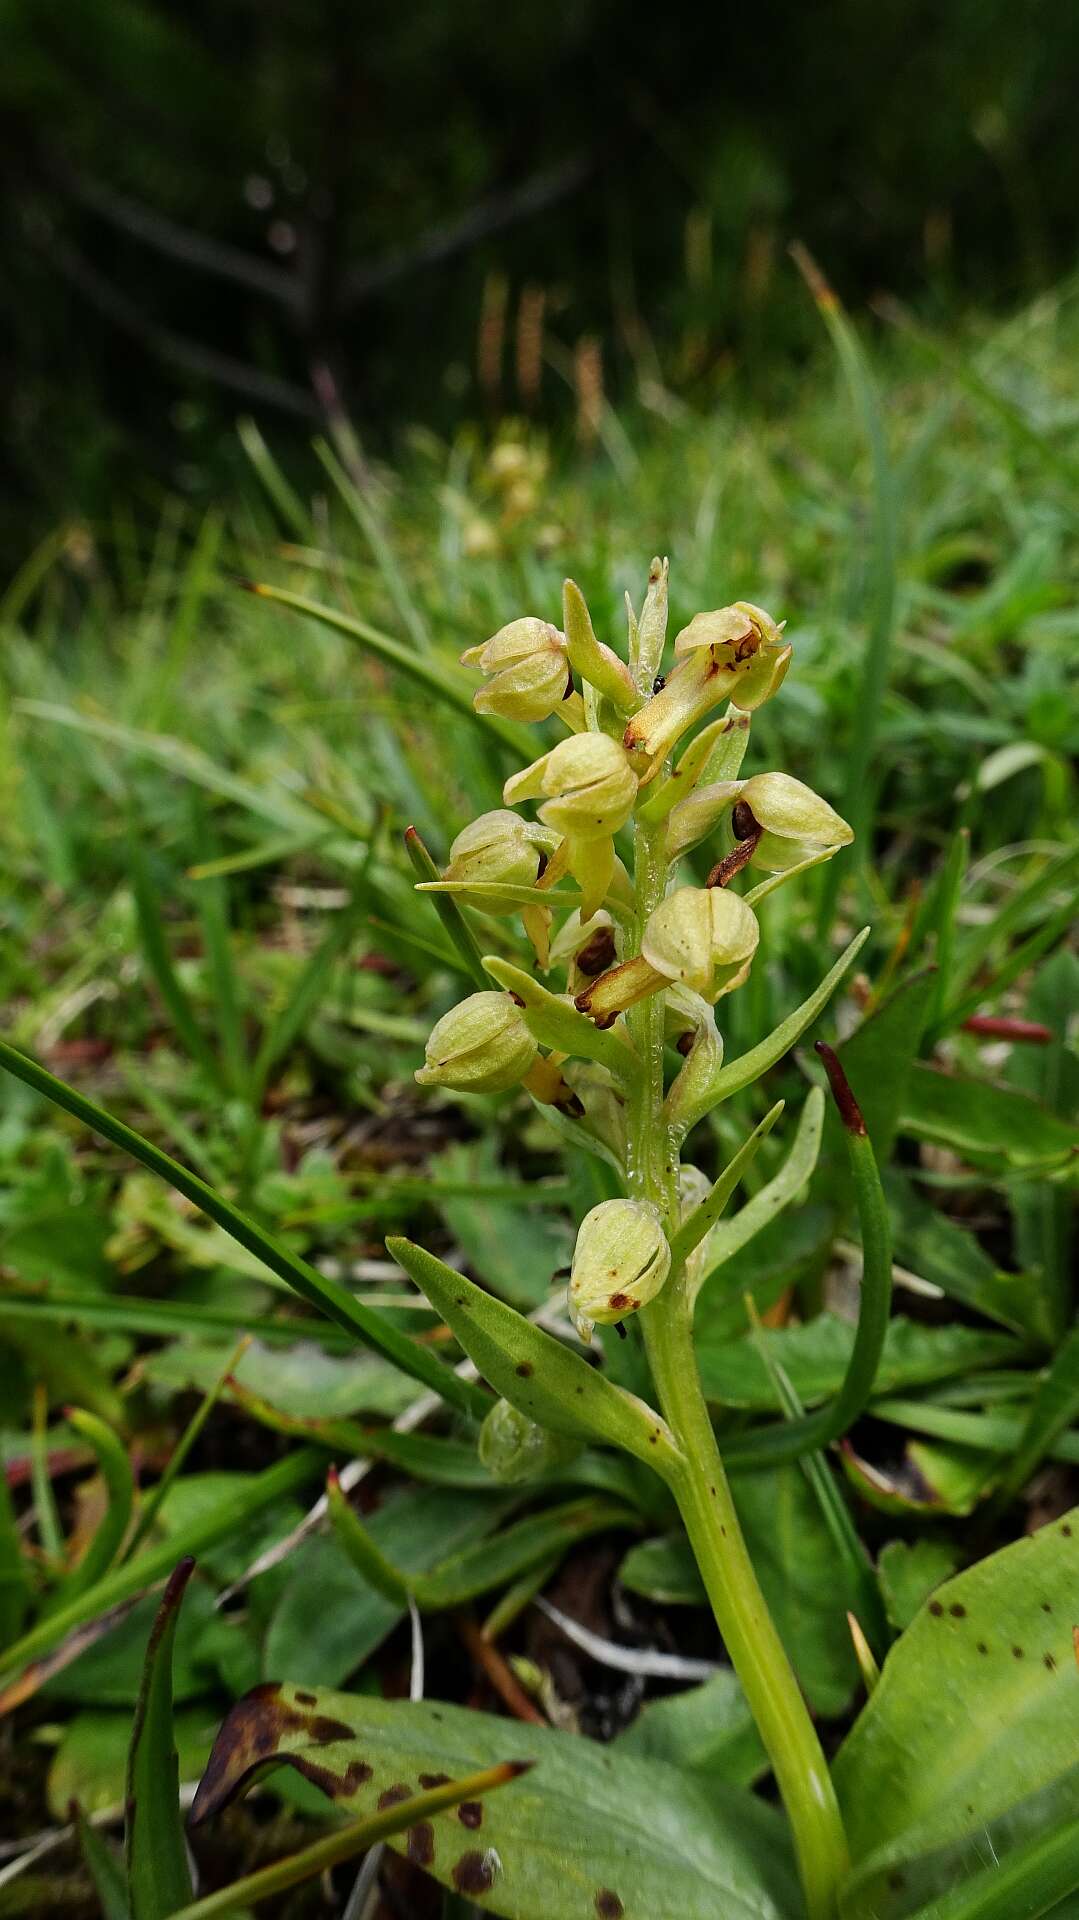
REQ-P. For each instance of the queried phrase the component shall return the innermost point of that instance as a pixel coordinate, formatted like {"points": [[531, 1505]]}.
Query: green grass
{"points": [[209, 927]]}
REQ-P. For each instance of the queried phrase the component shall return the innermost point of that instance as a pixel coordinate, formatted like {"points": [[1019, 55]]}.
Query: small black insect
{"points": [[659, 683]]}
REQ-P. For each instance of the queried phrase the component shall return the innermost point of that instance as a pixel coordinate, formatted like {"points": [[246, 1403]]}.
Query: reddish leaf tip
{"points": [[849, 1111]]}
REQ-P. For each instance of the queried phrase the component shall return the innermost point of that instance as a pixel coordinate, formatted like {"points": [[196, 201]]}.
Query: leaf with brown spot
{"points": [[544, 1850], [963, 1719]]}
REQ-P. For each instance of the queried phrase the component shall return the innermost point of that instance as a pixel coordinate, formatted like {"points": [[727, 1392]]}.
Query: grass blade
{"points": [[858, 785], [449, 912], [158, 1876], [159, 960], [437, 677]]}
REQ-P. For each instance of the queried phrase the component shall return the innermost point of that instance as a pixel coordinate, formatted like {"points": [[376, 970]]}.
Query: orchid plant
{"points": [[629, 963]]}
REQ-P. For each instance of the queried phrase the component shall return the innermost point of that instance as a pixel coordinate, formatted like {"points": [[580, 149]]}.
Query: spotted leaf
{"points": [[588, 1834]]}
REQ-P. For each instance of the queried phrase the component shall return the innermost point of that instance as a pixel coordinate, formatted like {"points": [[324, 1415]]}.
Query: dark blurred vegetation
{"points": [[417, 211]]}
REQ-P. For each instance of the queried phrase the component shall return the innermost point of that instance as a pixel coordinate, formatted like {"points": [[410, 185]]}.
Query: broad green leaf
{"points": [[974, 1716], [982, 1119], [908, 1571], [416, 1531], [302, 1380], [589, 1832], [1033, 1880], [708, 1730], [321, 1856], [948, 1256], [533, 1370], [815, 1358], [158, 1876]]}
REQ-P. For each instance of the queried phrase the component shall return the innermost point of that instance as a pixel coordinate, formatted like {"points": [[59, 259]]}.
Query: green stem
{"points": [[700, 1483]]}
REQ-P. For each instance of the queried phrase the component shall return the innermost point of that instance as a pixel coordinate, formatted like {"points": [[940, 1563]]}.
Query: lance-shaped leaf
{"points": [[556, 1022], [968, 1743], [533, 1370], [590, 1834], [704, 1217], [158, 1879], [749, 1066], [449, 911]]}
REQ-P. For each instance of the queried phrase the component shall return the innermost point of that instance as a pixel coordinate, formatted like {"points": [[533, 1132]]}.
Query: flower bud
{"points": [[795, 822], [620, 1263], [514, 1448], [528, 671], [589, 784], [703, 939], [481, 1046], [499, 846]]}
